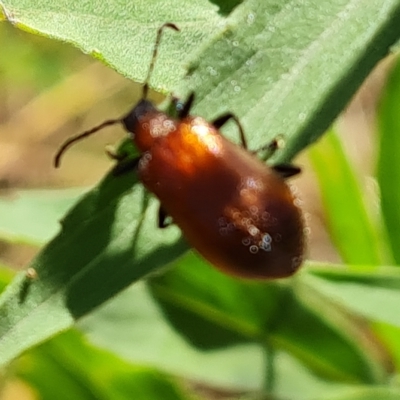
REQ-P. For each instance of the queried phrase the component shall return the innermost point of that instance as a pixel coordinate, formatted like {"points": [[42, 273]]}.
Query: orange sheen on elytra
{"points": [[234, 210]]}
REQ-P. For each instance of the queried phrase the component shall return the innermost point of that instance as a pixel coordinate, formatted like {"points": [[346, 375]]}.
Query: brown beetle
{"points": [[238, 213]]}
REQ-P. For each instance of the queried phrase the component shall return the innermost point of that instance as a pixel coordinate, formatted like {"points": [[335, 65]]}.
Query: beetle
{"points": [[236, 211]]}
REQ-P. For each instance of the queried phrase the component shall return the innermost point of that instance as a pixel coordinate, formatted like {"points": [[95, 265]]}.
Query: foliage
{"points": [[331, 332]]}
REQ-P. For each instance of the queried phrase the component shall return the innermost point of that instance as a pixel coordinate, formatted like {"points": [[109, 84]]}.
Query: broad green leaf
{"points": [[389, 161], [31, 216], [122, 33], [212, 311], [352, 230], [371, 292], [282, 66], [289, 67], [132, 326], [68, 367], [106, 242], [300, 61]]}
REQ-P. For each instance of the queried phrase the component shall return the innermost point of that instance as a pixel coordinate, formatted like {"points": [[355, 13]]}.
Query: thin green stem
{"points": [[269, 381]]}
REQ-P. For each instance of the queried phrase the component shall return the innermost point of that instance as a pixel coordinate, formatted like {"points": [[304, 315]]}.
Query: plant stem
{"points": [[269, 381]]}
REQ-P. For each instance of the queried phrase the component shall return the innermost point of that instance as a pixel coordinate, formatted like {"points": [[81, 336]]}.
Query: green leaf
{"points": [[122, 33], [31, 216], [352, 230], [107, 241], [289, 67], [132, 326], [282, 66], [212, 311], [369, 291], [389, 160], [85, 372]]}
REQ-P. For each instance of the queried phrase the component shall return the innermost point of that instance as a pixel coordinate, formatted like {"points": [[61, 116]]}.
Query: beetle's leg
{"points": [[185, 110], [271, 147], [223, 119], [162, 218], [125, 165], [175, 107], [286, 170], [111, 153]]}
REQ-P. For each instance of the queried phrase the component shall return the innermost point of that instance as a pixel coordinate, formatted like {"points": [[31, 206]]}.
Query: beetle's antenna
{"points": [[153, 59], [83, 135], [110, 122]]}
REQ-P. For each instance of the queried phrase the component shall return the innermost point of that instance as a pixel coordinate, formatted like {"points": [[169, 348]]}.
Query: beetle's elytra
{"points": [[238, 213]]}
